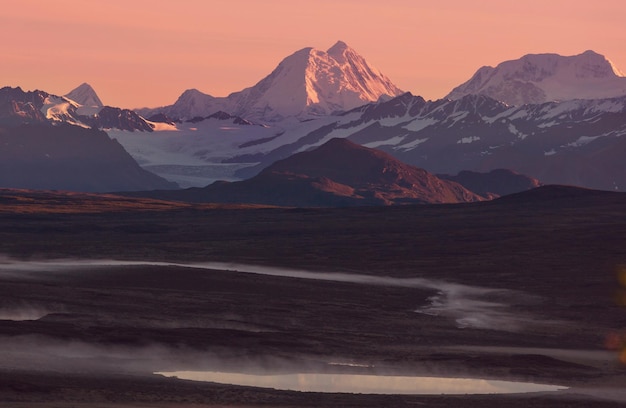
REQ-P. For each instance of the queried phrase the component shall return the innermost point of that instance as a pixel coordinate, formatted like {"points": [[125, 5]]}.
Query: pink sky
{"points": [[139, 53]]}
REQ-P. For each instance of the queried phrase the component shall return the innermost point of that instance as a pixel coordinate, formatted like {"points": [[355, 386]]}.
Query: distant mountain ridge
{"points": [[306, 84], [190, 104], [29, 107], [498, 182], [46, 143], [338, 173], [579, 142], [539, 78]]}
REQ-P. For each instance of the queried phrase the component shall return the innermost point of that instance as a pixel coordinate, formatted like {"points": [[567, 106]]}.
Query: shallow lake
{"points": [[365, 384]]}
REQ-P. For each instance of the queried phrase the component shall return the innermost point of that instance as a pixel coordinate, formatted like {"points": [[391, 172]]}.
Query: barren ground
{"points": [[90, 336]]}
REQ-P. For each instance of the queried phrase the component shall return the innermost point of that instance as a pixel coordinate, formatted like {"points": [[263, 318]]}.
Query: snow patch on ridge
{"points": [[411, 145], [470, 139], [516, 132], [419, 124], [583, 140], [59, 109], [389, 142]]}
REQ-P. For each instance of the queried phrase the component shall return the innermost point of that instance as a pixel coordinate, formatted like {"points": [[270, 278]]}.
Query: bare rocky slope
{"points": [[338, 173]]}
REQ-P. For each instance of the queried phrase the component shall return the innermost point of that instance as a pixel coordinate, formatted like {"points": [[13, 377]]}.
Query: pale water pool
{"points": [[365, 383]]}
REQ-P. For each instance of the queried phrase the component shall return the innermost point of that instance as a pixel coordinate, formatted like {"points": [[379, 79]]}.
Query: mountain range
{"points": [[338, 173], [553, 118], [28, 107], [550, 137], [577, 142]]}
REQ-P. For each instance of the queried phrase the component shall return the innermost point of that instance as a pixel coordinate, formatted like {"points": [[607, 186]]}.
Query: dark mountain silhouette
{"points": [[221, 115], [116, 118], [338, 173], [162, 118], [66, 157], [46, 144], [497, 182]]}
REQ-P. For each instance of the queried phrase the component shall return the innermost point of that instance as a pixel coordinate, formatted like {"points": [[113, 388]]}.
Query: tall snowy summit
{"points": [[306, 84], [85, 95], [538, 78], [312, 82]]}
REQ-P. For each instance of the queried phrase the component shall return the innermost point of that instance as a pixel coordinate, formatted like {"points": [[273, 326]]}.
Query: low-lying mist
{"points": [[469, 306]]}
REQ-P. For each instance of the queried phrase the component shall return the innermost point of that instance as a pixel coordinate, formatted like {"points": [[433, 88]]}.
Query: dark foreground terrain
{"points": [[525, 288]]}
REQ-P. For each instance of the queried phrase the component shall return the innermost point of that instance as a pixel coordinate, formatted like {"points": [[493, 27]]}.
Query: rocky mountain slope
{"points": [[19, 107], [338, 173]]}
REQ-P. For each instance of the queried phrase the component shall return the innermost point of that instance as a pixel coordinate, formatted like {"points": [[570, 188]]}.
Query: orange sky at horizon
{"points": [[138, 53]]}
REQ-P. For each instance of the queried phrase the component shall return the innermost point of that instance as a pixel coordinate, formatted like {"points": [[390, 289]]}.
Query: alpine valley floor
{"points": [[525, 288]]}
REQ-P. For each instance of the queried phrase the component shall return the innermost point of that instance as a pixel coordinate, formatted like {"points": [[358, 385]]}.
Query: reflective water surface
{"points": [[365, 384]]}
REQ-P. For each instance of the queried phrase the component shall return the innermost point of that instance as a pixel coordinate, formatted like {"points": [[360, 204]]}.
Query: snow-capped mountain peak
{"points": [[193, 96], [538, 78], [190, 104], [312, 82], [594, 64], [85, 95], [338, 48], [280, 94], [306, 84], [360, 75]]}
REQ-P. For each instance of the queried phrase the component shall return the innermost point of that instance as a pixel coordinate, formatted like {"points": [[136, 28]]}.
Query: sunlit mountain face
{"points": [[307, 84], [538, 78]]}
